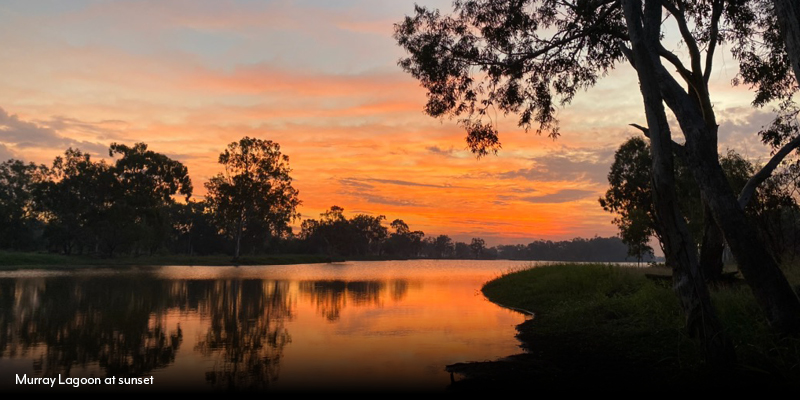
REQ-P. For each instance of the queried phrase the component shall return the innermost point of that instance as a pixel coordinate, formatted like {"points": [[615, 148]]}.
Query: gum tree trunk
{"points": [[701, 319], [770, 288], [711, 248], [788, 13]]}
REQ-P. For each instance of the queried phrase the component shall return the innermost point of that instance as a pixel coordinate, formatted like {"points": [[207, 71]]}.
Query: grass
{"points": [[609, 324], [22, 260]]}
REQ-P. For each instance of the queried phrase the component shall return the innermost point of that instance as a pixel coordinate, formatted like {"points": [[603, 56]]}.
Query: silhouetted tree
{"points": [[477, 247], [404, 242], [254, 196], [193, 230], [18, 223], [629, 196], [443, 247], [368, 233], [75, 203], [145, 185], [462, 251]]}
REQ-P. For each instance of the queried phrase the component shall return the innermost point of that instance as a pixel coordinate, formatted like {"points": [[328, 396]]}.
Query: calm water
{"points": [[371, 325]]}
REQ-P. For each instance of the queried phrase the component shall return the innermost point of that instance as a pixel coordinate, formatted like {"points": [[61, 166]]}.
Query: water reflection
{"points": [[63, 323], [230, 329], [246, 331], [330, 297]]}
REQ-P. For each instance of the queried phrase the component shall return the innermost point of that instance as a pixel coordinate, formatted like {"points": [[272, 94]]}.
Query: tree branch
{"points": [[627, 52], [766, 171], [677, 148], [674, 60], [716, 13], [686, 33]]}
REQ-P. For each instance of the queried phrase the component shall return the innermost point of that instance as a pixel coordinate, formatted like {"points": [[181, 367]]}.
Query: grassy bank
{"points": [[21, 260], [606, 326]]}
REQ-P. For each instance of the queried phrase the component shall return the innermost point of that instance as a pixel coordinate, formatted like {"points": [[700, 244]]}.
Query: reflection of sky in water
{"points": [[392, 324]]}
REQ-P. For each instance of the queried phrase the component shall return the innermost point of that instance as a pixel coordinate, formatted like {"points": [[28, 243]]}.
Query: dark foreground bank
{"points": [[599, 327]]}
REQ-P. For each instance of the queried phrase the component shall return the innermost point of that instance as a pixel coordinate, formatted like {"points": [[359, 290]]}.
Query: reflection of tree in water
{"points": [[330, 297], [7, 348], [117, 323], [246, 332]]}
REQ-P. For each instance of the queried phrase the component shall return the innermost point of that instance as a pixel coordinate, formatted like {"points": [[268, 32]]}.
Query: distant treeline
{"points": [[365, 235], [129, 208]]}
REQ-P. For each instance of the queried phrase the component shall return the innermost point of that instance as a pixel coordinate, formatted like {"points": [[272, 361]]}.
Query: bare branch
{"points": [[766, 171], [674, 60], [716, 13], [686, 33], [677, 148]]}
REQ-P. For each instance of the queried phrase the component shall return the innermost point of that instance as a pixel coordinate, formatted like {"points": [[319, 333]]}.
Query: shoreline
{"points": [[12, 261], [626, 335], [15, 260]]}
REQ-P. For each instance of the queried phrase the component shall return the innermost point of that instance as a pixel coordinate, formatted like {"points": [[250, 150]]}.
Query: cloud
{"points": [[24, 134], [565, 167], [440, 151], [5, 153], [562, 196], [738, 130], [405, 183], [364, 191], [378, 199], [355, 184]]}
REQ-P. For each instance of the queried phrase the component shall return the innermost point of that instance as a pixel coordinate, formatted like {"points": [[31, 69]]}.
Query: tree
{"points": [[18, 183], [74, 202], [145, 185], [462, 251], [478, 247], [333, 233], [629, 196], [443, 247], [254, 196], [695, 115], [368, 233], [404, 242], [526, 57]]}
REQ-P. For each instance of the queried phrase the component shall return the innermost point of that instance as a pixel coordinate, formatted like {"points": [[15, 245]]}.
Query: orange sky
{"points": [[320, 78]]}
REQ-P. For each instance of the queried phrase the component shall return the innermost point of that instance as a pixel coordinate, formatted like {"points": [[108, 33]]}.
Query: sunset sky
{"points": [[321, 79]]}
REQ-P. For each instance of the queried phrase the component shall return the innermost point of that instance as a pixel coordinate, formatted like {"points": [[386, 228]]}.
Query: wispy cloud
{"points": [[23, 134], [5, 153], [406, 183], [562, 196], [565, 167]]}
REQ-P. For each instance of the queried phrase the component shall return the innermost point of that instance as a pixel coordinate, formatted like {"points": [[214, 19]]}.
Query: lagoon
{"points": [[379, 325]]}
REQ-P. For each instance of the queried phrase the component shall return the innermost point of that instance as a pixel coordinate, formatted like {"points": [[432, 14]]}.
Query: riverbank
{"points": [[603, 327], [22, 260]]}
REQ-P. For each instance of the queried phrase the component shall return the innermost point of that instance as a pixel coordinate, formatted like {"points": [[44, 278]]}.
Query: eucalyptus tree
{"points": [[254, 196], [443, 246], [19, 181], [74, 202], [527, 57], [629, 197], [146, 183], [404, 242], [478, 247]]}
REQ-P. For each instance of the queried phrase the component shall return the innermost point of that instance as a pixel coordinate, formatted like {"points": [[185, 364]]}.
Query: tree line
{"points": [[140, 204], [130, 206], [369, 236]]}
